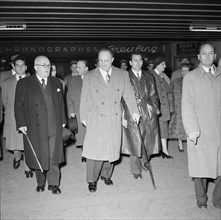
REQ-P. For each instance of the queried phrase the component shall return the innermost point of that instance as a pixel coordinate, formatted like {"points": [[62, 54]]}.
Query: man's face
{"points": [[136, 62], [20, 67], [207, 55], [81, 68], [123, 66], [184, 70], [73, 68], [42, 66], [105, 60]]}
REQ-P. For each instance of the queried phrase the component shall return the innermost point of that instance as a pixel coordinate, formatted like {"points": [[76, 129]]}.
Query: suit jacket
{"points": [[73, 104], [31, 111], [100, 107], [201, 101], [14, 139], [146, 95]]}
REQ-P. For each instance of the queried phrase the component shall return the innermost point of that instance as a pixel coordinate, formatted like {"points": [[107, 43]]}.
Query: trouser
{"points": [[53, 174], [135, 167], [96, 167], [200, 185]]}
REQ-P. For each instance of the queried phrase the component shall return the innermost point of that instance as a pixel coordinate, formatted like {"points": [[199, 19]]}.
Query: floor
{"points": [[127, 199]]}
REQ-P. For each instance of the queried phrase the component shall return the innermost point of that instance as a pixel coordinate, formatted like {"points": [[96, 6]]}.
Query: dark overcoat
{"points": [[31, 111], [146, 95], [73, 104]]}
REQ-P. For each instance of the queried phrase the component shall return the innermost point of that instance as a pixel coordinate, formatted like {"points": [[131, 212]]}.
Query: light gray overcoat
{"points": [[201, 112], [100, 107]]}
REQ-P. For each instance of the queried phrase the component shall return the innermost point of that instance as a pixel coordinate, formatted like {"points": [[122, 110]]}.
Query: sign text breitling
{"points": [[77, 49]]}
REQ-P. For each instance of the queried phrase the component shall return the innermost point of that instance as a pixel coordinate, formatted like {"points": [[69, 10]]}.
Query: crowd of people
{"points": [[125, 110]]}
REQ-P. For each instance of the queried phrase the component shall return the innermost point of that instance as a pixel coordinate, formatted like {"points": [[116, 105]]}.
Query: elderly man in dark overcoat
{"points": [[39, 113]]}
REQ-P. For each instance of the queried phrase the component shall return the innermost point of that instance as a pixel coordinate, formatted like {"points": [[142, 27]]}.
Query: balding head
{"points": [[42, 66]]}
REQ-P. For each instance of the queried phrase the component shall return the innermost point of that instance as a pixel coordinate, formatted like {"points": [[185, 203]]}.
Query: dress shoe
{"points": [[137, 176], [144, 165], [201, 205], [55, 189], [181, 150], [92, 187], [40, 188], [16, 163], [28, 173], [166, 156], [217, 206], [83, 159], [107, 181]]}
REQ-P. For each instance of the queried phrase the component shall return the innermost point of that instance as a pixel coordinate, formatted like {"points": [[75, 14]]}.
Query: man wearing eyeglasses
{"points": [[39, 113]]}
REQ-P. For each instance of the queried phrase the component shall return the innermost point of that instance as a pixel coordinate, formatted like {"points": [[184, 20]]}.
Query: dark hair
{"points": [[203, 44], [19, 58], [135, 53], [106, 50]]}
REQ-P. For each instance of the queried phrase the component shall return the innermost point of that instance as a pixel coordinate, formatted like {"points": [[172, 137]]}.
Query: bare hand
{"points": [[84, 123], [136, 117], [72, 115]]}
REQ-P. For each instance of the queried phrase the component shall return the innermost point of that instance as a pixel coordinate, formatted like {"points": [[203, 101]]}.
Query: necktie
{"points": [[138, 76], [43, 83], [107, 78], [19, 77]]}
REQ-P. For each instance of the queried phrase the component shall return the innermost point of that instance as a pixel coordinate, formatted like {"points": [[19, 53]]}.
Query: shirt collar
{"points": [[39, 78], [137, 72], [207, 69], [17, 76]]}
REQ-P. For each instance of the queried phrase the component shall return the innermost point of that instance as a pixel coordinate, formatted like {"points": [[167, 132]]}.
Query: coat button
{"points": [[115, 102], [116, 114], [37, 124], [101, 114], [118, 90], [96, 90], [102, 103]]}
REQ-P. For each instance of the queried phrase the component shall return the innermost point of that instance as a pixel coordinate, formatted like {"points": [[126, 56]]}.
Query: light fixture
{"points": [[208, 28], [12, 27]]}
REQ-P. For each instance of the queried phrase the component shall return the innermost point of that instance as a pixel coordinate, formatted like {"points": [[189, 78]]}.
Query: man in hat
{"points": [[164, 88], [178, 73], [123, 64], [73, 68], [100, 110], [73, 100], [40, 116]]}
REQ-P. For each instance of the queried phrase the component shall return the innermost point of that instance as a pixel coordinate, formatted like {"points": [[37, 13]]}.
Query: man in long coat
{"points": [[100, 110], [39, 113], [73, 99], [201, 118], [14, 139], [148, 106]]}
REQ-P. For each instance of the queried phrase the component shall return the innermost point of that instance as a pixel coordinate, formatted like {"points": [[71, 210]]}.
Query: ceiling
{"points": [[110, 20]]}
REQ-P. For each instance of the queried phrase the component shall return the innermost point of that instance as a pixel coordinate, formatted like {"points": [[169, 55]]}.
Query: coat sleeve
{"points": [[70, 98], [19, 106], [154, 96], [189, 116], [129, 95], [85, 98]]}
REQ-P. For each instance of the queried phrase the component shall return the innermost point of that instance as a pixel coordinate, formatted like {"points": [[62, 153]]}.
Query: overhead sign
{"points": [[189, 48]]}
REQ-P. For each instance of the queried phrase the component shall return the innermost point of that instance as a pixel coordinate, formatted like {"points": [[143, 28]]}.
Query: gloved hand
{"points": [[23, 129], [124, 123]]}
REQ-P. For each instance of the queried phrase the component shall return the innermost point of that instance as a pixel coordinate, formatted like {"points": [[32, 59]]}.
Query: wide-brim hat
{"points": [[158, 61]]}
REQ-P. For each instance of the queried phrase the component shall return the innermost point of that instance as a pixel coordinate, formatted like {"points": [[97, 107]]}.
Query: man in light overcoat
{"points": [[100, 111], [201, 119]]}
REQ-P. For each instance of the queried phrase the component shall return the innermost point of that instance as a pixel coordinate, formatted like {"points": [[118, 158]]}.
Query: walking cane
{"points": [[34, 153], [148, 163]]}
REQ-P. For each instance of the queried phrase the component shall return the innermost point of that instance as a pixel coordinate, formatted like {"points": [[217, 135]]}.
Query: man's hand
{"points": [[72, 115], [136, 117], [194, 136], [23, 129], [84, 123], [124, 123]]}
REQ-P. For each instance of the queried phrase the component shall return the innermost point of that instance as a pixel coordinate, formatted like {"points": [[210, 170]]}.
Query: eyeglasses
{"points": [[44, 65]]}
